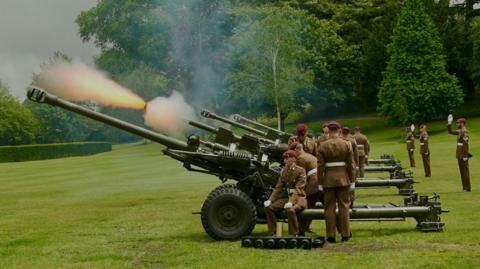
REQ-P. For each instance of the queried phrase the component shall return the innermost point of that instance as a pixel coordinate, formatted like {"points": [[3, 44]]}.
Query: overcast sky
{"points": [[32, 30]]}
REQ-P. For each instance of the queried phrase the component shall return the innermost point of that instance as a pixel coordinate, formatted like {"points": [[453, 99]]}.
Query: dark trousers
{"points": [[426, 164], [291, 215], [464, 174], [339, 196], [411, 156]]}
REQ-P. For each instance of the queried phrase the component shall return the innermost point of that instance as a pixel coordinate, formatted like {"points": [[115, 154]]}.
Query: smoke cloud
{"points": [[78, 82], [169, 114]]}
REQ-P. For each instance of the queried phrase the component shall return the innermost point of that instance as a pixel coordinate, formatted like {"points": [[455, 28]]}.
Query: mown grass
{"points": [[132, 208]]}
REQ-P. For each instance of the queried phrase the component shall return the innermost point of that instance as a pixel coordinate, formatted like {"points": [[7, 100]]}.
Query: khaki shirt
{"points": [[335, 151], [352, 141], [410, 141], [309, 145], [363, 146], [292, 180], [424, 148], [309, 162], [463, 139]]}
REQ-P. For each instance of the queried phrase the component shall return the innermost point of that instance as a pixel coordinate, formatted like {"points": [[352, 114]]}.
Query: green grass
{"points": [[131, 208]]}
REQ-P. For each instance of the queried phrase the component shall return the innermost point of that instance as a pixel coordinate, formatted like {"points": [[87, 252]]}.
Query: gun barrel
{"points": [[210, 129], [207, 114], [241, 118], [40, 96]]}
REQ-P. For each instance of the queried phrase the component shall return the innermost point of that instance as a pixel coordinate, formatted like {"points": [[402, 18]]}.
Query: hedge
{"points": [[51, 151]]}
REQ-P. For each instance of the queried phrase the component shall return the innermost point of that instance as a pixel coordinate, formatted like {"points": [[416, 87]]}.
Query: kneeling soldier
{"points": [[289, 194], [336, 176]]}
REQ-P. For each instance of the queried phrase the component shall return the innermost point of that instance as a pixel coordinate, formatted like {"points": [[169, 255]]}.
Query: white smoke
{"points": [[169, 115]]}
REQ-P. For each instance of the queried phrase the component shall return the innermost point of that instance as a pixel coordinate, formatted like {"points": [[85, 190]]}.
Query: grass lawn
{"points": [[132, 208]]}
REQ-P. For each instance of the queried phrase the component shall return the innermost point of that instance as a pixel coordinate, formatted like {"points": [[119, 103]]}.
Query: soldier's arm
{"points": [[320, 166], [300, 183], [277, 190], [450, 131], [350, 165], [367, 147], [465, 148], [355, 154]]}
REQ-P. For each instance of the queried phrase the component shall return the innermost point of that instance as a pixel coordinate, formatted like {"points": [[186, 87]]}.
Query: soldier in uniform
{"points": [[348, 137], [308, 162], [410, 140], [363, 148], [289, 194], [302, 137], [462, 154], [336, 177], [425, 150]]}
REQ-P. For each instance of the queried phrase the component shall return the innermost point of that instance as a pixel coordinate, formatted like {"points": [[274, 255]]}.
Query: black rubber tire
{"points": [[228, 213]]}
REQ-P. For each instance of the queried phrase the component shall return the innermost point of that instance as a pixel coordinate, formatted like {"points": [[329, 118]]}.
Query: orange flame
{"points": [[78, 82]]}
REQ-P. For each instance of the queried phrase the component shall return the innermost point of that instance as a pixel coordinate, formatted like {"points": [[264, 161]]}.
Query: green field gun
{"points": [[271, 133], [230, 211], [385, 159]]}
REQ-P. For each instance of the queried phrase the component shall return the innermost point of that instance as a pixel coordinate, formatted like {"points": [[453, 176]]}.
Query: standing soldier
{"points": [[302, 137], [289, 194], [336, 177], [348, 137], [462, 149], [410, 140], [363, 148], [425, 150], [308, 162]]}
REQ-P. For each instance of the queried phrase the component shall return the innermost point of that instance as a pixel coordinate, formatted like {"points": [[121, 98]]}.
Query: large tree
{"points": [[416, 86]]}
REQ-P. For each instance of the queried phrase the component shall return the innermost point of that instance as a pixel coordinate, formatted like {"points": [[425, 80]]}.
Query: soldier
{"points": [[336, 177], [363, 148], [462, 154], [348, 137], [308, 162], [410, 140], [302, 137], [289, 194], [425, 150]]}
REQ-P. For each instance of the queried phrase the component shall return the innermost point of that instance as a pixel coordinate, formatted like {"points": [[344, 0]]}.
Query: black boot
{"points": [[331, 240]]}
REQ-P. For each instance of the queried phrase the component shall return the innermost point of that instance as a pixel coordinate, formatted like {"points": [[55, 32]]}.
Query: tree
{"points": [[416, 74], [270, 51], [17, 124]]}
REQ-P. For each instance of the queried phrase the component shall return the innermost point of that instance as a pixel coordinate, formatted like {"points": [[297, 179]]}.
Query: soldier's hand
{"points": [[412, 128], [267, 203], [288, 205], [320, 188], [352, 186], [465, 158], [450, 119]]}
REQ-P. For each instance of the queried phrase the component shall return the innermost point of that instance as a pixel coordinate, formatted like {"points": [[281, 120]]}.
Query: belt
{"points": [[336, 164], [460, 144], [409, 141], [312, 172], [421, 144], [360, 146]]}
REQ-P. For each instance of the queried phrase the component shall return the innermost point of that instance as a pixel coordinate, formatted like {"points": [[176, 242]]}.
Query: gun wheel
{"points": [[228, 213]]}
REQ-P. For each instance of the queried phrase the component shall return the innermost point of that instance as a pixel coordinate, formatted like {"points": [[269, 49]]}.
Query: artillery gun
{"points": [[271, 133], [385, 159], [231, 211]]}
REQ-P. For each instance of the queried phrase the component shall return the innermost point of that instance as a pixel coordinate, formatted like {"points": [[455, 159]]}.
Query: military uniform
{"points": [[363, 149], [425, 152], [356, 158], [290, 188], [410, 140], [336, 172], [309, 145], [309, 162], [462, 155]]}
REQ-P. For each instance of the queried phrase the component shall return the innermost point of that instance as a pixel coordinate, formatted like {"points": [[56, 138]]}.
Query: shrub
{"points": [[51, 151]]}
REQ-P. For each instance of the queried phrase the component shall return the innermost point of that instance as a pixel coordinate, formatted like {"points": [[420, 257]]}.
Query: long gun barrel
{"points": [[272, 133], [40, 96], [208, 114]]}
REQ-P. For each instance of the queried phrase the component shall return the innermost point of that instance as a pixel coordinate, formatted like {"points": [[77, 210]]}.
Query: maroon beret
{"points": [[301, 129], [334, 125], [462, 120], [290, 153]]}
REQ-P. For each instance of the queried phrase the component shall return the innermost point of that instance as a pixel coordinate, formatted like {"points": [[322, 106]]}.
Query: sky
{"points": [[32, 30]]}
